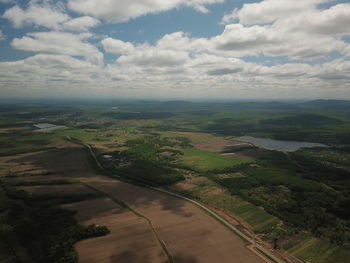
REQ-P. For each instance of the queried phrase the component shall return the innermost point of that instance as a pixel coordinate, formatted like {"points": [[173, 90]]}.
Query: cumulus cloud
{"points": [[117, 46], [223, 71], [268, 11], [47, 74], [148, 57], [59, 43], [179, 63], [296, 29], [162, 73], [182, 41], [83, 23], [272, 40], [332, 21], [120, 10], [46, 16]]}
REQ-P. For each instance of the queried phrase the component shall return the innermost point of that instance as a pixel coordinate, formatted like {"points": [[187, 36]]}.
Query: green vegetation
{"points": [[22, 142], [203, 161], [302, 198], [309, 248], [44, 231], [210, 193], [284, 185], [303, 120], [144, 162]]}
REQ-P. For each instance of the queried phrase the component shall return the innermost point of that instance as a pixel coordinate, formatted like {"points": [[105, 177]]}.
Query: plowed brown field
{"points": [[57, 190], [131, 239], [190, 234]]}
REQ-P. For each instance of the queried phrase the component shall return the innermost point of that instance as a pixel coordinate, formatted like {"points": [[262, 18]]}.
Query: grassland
{"points": [[211, 193], [311, 249], [203, 161]]}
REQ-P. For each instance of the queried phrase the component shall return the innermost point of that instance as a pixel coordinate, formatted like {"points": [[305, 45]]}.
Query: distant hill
{"points": [[305, 120], [336, 104], [273, 105]]}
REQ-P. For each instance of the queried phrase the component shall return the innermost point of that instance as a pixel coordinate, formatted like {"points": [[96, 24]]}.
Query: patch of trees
{"points": [[304, 120], [46, 231], [147, 165], [309, 199], [138, 115]]}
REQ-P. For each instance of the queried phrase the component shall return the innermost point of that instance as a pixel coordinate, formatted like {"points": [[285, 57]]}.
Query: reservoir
{"points": [[271, 144], [46, 127]]}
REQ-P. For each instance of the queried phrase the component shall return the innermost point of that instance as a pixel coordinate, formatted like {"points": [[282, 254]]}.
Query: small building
{"points": [[107, 157]]}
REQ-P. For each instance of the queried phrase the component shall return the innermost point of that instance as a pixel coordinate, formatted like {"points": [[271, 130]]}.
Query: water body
{"points": [[46, 127], [271, 144]]}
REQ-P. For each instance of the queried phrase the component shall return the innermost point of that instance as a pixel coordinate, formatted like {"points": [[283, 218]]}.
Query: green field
{"points": [[204, 161], [211, 193], [313, 250]]}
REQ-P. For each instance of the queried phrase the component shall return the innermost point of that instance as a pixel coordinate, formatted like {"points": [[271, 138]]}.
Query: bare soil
{"points": [[131, 239], [190, 234], [57, 190], [72, 161], [34, 179], [182, 186], [219, 145]]}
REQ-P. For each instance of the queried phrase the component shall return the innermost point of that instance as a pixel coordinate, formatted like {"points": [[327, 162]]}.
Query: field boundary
{"points": [[259, 248], [221, 220], [154, 231]]}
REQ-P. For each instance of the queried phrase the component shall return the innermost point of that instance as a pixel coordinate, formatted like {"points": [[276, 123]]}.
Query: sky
{"points": [[220, 49]]}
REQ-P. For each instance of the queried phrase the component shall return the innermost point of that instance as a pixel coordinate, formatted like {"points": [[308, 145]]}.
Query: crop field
{"points": [[172, 218], [129, 233], [55, 161], [203, 161], [57, 190], [214, 195], [189, 233], [195, 138], [309, 248], [300, 199]]}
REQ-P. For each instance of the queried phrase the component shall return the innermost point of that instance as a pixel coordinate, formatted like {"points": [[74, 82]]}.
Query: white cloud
{"points": [[268, 11], [161, 55], [59, 43], [272, 40], [154, 73], [117, 46], [152, 57], [46, 16], [333, 21], [6, 1], [296, 29], [46, 75], [182, 41], [83, 23], [180, 64], [120, 10]]}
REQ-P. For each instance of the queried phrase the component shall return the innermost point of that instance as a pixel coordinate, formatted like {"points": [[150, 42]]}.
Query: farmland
{"points": [[202, 161], [295, 202]]}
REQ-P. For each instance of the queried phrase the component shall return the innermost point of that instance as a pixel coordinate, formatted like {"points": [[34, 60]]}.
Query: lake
{"points": [[271, 144], [47, 127]]}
